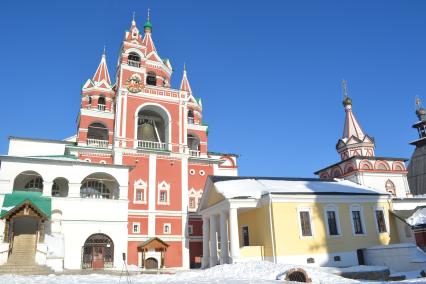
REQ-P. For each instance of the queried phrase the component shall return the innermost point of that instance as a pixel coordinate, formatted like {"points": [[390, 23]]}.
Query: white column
{"points": [[213, 241], [223, 238], [233, 234], [206, 251]]}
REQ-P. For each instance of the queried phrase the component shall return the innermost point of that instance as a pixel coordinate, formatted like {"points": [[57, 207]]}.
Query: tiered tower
{"points": [[358, 162], [142, 122]]}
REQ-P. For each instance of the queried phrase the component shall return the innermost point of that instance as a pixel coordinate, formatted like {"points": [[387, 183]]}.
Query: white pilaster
{"points": [[206, 251], [223, 238], [213, 241], [74, 189], [152, 188], [47, 188], [185, 200], [233, 234]]}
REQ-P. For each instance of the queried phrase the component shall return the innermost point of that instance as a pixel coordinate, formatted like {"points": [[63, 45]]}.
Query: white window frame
{"points": [[195, 202], [140, 185], [381, 208], [334, 208], [190, 230], [164, 229], [357, 207], [309, 210], [163, 186], [138, 226]]}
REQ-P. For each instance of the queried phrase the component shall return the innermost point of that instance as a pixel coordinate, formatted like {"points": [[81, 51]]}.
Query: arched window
{"points": [[60, 187], [28, 181], [190, 116], [390, 187], [97, 135], [89, 100], [133, 59], [35, 184], [99, 185], [101, 103], [193, 145], [95, 189], [151, 79]]}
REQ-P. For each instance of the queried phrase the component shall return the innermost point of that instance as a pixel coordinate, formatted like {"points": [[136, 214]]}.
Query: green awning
{"points": [[17, 198]]}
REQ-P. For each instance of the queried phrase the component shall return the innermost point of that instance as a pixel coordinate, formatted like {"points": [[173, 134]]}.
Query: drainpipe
{"points": [[272, 230]]}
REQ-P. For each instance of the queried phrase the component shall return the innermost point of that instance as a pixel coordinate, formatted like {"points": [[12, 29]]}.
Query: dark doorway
{"points": [[246, 241], [151, 263]]}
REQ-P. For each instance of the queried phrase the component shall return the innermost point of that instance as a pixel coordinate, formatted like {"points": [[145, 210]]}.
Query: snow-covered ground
{"points": [[250, 272]]}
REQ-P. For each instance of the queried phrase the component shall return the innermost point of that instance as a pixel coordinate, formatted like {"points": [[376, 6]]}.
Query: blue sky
{"points": [[268, 72]]}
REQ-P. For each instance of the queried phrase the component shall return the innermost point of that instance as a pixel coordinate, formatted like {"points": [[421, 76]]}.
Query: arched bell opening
{"points": [[97, 135], [151, 79], [100, 185], [28, 181], [190, 116], [134, 59], [60, 187], [98, 252], [152, 128], [193, 144], [101, 103]]}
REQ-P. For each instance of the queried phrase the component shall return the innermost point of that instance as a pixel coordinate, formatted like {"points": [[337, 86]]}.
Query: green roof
{"points": [[17, 198]]}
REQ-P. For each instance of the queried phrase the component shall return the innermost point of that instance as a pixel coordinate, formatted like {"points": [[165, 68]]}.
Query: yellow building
{"points": [[291, 220]]}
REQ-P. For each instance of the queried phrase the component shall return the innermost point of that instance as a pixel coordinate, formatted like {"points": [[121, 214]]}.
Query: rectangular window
{"points": [[381, 223], [136, 228], [357, 222], [167, 228], [140, 195], [305, 223], [190, 229], [163, 196], [246, 241], [332, 223], [192, 202]]}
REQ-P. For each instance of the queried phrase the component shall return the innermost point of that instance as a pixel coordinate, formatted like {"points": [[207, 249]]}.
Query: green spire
{"points": [[148, 25]]}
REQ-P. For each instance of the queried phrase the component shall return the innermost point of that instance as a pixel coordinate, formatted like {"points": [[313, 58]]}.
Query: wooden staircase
{"points": [[22, 259]]}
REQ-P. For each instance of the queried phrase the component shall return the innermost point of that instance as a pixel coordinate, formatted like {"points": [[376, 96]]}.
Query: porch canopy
{"points": [[153, 244], [14, 201]]}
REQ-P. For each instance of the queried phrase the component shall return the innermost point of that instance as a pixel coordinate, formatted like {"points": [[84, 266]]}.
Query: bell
{"points": [[146, 132]]}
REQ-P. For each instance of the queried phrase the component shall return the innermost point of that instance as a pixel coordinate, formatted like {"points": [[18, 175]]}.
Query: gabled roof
{"points": [[149, 44], [152, 241], [14, 201]]}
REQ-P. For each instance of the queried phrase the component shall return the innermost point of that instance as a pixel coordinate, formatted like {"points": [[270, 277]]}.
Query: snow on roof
{"points": [[256, 187]]}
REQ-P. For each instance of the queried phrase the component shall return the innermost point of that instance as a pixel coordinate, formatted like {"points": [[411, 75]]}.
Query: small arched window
{"points": [[190, 116], [151, 79], [101, 103], [89, 101], [134, 59], [390, 187]]}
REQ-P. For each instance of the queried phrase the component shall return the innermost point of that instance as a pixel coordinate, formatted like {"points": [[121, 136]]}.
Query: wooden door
{"points": [[98, 258], [151, 263]]}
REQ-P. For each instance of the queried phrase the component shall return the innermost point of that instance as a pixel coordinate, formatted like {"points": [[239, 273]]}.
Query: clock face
{"points": [[134, 84]]}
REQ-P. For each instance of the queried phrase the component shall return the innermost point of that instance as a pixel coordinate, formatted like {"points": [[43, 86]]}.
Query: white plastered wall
{"points": [[25, 148]]}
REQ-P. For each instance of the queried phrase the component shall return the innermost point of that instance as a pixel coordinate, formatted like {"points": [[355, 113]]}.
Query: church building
{"points": [[358, 162], [129, 181]]}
